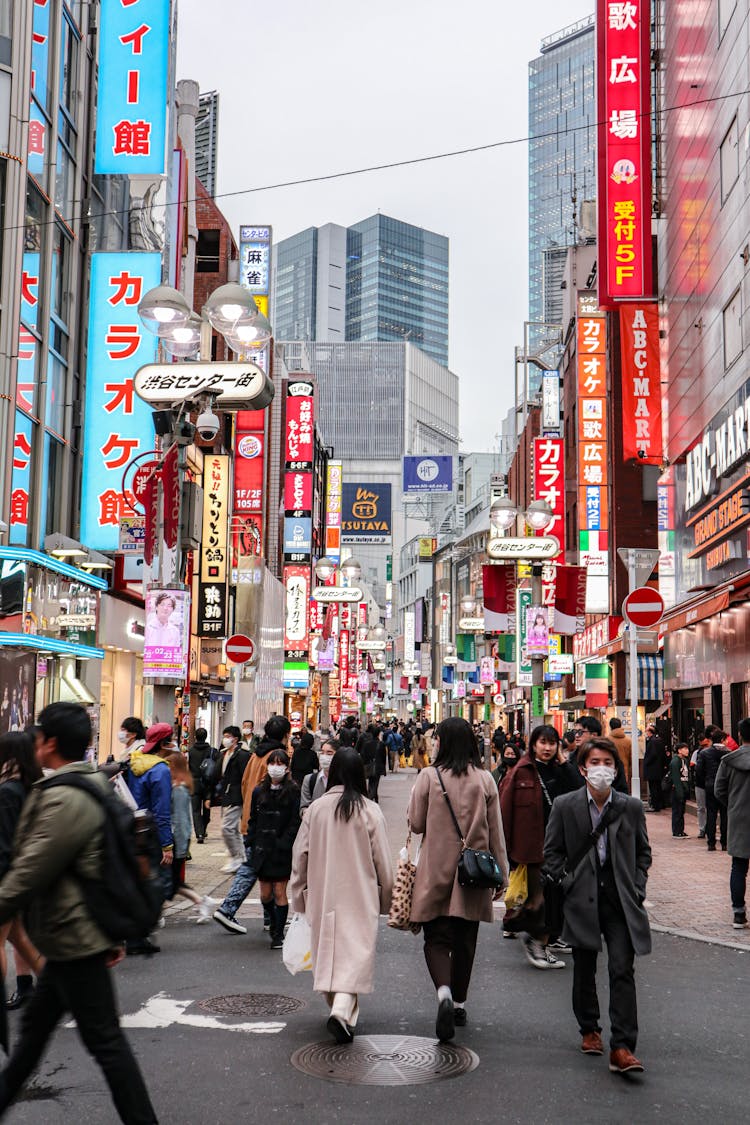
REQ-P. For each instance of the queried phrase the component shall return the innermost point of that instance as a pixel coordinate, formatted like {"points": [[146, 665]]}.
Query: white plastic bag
{"points": [[120, 786], [296, 953]]}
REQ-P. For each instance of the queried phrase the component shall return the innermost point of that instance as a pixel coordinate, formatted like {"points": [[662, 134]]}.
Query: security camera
{"points": [[207, 425]]}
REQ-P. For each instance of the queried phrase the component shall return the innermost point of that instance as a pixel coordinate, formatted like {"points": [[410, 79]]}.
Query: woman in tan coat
{"points": [[342, 878], [450, 914]]}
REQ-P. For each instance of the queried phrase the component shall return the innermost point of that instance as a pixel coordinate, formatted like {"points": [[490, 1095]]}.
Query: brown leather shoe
{"points": [[591, 1043], [622, 1061]]}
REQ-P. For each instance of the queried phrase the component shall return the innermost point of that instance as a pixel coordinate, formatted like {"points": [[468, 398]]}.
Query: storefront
{"points": [[121, 631], [49, 617]]}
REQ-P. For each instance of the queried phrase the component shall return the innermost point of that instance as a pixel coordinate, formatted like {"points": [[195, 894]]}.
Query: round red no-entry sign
{"points": [[240, 649], [643, 607]]}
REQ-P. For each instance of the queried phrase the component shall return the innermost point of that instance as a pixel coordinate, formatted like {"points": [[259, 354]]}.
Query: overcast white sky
{"points": [[310, 87]]}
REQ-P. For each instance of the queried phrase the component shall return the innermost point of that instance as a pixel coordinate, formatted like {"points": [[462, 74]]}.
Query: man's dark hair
{"points": [[234, 731], [614, 723], [133, 725], [70, 724], [248, 723], [592, 744], [590, 724], [713, 733], [201, 734], [277, 728], [569, 737], [744, 730]]}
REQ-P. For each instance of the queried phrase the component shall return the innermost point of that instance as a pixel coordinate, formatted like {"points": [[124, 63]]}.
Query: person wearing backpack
{"points": [[150, 784], [60, 848], [202, 763]]}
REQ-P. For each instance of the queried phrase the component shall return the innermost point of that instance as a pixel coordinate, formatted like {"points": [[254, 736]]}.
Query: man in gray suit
{"points": [[604, 887]]}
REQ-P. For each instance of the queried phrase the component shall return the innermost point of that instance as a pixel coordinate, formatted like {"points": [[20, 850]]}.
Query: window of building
{"points": [[729, 158], [732, 325], [207, 251], [68, 69], [726, 11], [6, 30], [55, 513]]}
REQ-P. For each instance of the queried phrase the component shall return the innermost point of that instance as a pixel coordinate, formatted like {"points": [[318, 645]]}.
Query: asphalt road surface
{"points": [[694, 1042]]}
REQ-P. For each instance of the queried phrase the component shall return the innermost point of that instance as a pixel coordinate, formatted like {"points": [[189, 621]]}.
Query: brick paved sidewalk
{"points": [[688, 888]]}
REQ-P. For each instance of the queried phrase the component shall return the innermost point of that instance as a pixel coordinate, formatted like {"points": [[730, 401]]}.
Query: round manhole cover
{"points": [[384, 1060], [251, 1004]]}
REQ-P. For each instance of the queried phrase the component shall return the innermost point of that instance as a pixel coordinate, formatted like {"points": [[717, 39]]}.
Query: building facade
{"points": [[562, 158], [378, 280]]}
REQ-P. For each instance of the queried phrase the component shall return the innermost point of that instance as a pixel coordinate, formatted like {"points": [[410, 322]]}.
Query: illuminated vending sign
{"points": [[249, 475], [131, 111], [549, 483], [118, 422], [624, 150], [255, 263], [165, 645]]}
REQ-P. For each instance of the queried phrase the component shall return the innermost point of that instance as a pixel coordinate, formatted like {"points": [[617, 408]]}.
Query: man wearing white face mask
{"points": [[597, 844], [316, 783]]}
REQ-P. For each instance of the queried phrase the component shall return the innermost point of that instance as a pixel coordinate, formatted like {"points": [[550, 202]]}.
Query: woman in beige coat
{"points": [[342, 878], [449, 913]]}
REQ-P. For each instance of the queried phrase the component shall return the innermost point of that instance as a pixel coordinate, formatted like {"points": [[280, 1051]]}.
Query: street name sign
{"points": [[544, 547]]}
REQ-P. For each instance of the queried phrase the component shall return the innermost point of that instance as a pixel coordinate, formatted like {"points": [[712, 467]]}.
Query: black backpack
{"points": [[209, 770], [126, 902]]}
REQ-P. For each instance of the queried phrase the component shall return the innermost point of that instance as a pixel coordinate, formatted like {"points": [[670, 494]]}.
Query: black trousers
{"points": [[372, 787], [83, 988], [678, 813], [201, 814], [655, 795], [715, 810], [623, 1009], [449, 948]]}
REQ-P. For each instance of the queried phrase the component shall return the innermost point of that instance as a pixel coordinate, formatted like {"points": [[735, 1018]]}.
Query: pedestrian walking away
{"points": [[448, 912], [150, 783], [59, 840], [342, 879], [271, 832], [700, 797], [597, 843], [234, 761], [200, 799], [711, 753], [732, 789], [654, 767], [304, 758]]}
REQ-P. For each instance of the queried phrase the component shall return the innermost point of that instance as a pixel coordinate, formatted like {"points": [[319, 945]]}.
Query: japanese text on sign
{"points": [[549, 483]]}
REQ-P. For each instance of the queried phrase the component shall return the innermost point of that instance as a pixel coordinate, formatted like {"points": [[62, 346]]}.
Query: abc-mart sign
{"points": [[723, 447]]}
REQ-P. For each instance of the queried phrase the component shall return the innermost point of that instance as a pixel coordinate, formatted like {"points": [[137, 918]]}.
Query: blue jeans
{"points": [[738, 882], [243, 882]]}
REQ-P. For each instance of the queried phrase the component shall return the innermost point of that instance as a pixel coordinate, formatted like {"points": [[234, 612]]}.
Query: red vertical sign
{"points": [[624, 150], [549, 483], [641, 383]]}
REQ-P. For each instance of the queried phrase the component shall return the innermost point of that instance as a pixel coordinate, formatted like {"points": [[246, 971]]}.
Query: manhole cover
{"points": [[384, 1060], [251, 1004]]}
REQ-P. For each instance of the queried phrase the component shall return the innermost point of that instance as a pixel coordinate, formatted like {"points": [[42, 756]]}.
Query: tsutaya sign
{"points": [[723, 447]]}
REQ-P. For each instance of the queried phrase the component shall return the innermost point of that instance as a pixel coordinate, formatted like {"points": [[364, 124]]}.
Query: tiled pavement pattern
{"points": [[688, 889]]}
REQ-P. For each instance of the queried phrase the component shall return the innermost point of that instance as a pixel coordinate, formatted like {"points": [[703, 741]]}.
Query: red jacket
{"points": [[523, 816]]}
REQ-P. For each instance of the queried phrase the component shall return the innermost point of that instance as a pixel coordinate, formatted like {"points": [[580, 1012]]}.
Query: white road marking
{"points": [[162, 1011]]}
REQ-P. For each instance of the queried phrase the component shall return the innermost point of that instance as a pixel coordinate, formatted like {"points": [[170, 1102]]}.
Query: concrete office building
{"points": [[381, 279]]}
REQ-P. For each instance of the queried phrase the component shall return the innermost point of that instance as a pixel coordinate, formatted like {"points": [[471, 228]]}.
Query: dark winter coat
{"points": [[525, 808], [272, 830], [12, 797], [732, 788], [655, 759], [367, 748], [707, 764], [304, 761], [196, 754], [231, 779], [675, 774]]}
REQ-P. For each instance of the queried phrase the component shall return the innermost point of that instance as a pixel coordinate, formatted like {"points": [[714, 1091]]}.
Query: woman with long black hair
{"points": [[342, 878], [449, 913]]}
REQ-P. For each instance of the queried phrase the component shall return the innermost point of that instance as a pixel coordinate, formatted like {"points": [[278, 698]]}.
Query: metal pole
{"points": [[635, 783], [236, 695], [537, 663]]}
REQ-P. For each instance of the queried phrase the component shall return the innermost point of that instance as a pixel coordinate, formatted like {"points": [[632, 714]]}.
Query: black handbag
{"points": [[477, 869]]}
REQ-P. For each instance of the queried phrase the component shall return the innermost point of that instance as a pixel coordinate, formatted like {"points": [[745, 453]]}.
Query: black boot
{"points": [[277, 933], [146, 947], [269, 917], [24, 989]]}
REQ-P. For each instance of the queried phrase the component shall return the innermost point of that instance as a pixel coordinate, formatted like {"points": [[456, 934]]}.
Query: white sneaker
{"points": [[206, 908], [231, 866], [552, 961]]}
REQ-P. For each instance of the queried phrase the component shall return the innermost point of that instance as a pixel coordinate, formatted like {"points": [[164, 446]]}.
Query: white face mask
{"points": [[122, 736], [227, 742], [276, 772], [247, 732], [324, 761], [600, 778]]}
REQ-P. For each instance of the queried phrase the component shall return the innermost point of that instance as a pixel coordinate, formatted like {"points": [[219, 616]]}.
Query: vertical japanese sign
{"points": [[641, 383], [523, 665], [296, 635], [249, 478], [334, 482], [624, 150], [131, 111], [26, 382], [118, 423], [593, 474], [212, 589], [255, 263], [549, 484], [298, 445]]}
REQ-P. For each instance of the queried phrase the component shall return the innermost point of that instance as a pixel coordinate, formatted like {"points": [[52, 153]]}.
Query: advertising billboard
{"points": [[131, 109], [641, 383], [366, 513], [118, 422], [428, 474], [165, 645], [334, 480]]}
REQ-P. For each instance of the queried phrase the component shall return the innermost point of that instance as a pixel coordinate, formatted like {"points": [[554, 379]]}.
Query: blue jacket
{"points": [[150, 782]]}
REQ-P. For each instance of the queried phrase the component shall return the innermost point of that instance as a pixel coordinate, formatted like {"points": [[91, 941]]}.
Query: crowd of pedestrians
{"points": [[299, 816]]}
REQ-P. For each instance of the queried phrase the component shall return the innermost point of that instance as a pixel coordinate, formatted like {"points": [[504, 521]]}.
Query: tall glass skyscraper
{"points": [[380, 279], [562, 158]]}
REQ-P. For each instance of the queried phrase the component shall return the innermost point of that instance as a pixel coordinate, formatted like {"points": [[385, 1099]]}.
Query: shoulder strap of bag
{"points": [[610, 814], [450, 809]]}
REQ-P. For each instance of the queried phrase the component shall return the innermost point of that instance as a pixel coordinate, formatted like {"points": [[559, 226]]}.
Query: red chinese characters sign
{"points": [[299, 426], [249, 483], [624, 150], [641, 383], [592, 420], [549, 483]]}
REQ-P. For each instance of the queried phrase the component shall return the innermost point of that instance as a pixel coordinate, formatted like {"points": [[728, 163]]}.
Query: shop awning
{"points": [[650, 678], [698, 609], [573, 703]]}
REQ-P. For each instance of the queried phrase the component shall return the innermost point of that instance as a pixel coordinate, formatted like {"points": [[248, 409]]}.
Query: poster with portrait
{"points": [[17, 683], [165, 648], [537, 631]]}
